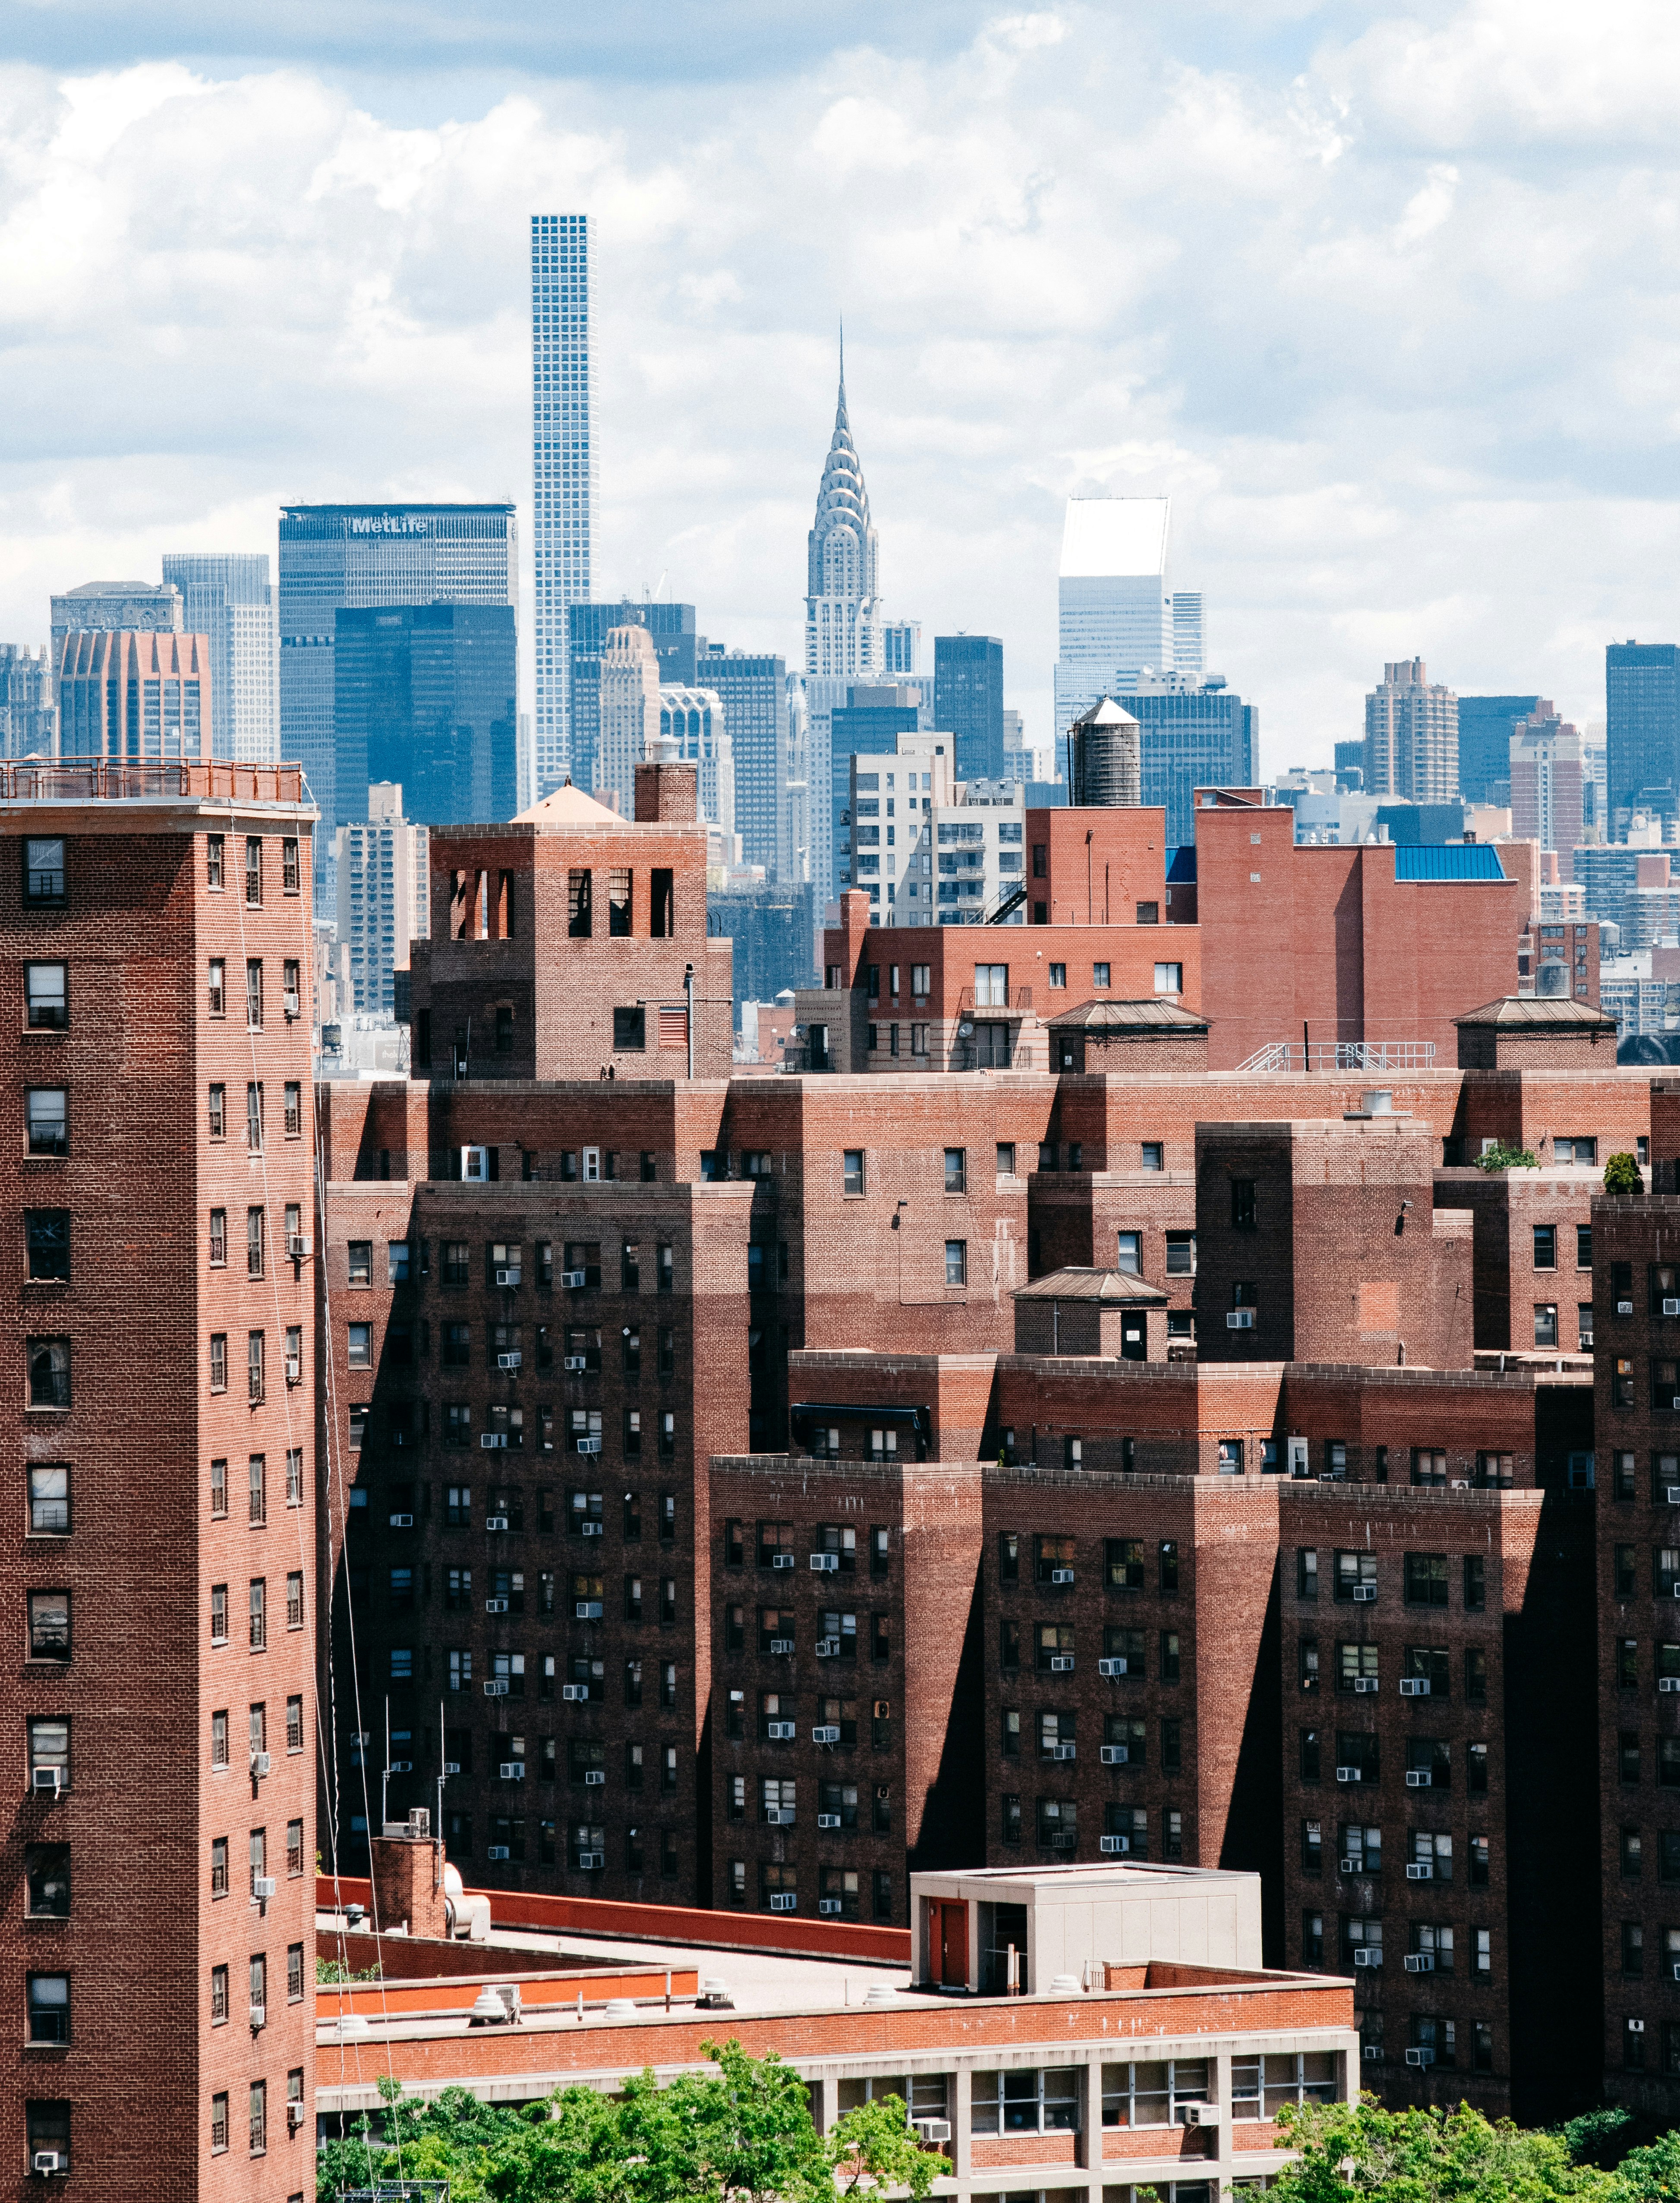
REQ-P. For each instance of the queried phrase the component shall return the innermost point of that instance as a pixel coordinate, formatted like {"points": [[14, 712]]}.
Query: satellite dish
{"points": [[966, 1027]]}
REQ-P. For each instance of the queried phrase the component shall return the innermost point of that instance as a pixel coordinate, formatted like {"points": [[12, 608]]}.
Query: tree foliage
{"points": [[740, 2134], [1499, 1157], [1622, 1175], [1350, 2151]]}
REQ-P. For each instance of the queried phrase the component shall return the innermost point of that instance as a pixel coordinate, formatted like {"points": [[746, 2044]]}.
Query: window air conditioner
{"points": [[259, 1765], [1065, 1751], [402, 1521], [291, 1003], [1420, 1870], [1061, 1575], [592, 1529], [259, 2017], [594, 1778], [508, 1360], [297, 1246], [294, 2113], [1061, 1664], [496, 1521], [589, 1445], [825, 1733], [1414, 1687], [451, 1767], [1365, 1685], [495, 1606], [781, 1560], [575, 1362], [589, 1861], [1111, 1846], [47, 1782], [498, 1852], [1110, 1668], [778, 1816], [262, 1888], [1372, 2052], [571, 1695], [1349, 1775], [1364, 1594], [781, 1646], [587, 1610], [1419, 1962], [45, 2161], [575, 1278], [1671, 1493], [1353, 1866], [781, 1731], [507, 1277], [828, 1905], [511, 1770], [824, 1563], [1113, 1755], [1624, 1307], [1240, 1319], [402, 1766], [1368, 1954], [1672, 1307], [496, 1689], [492, 1441], [784, 1900], [1198, 2115], [932, 2130], [828, 1647], [1668, 1682], [828, 1820], [1419, 1778], [1420, 2057]]}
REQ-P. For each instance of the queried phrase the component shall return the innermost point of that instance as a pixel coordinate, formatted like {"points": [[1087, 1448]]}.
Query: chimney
{"points": [[668, 794], [407, 1878]]}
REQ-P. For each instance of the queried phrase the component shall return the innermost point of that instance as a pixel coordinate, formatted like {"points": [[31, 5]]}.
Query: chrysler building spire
{"points": [[842, 593]]}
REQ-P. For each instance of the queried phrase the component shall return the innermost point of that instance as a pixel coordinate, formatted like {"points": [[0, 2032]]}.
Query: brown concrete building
{"points": [[159, 1576]]}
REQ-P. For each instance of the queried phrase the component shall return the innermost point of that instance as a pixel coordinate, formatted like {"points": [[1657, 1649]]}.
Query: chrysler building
{"points": [[842, 603]]}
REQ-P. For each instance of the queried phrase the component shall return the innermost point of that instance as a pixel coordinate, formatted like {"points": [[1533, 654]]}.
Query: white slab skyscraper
{"points": [[563, 468], [1115, 614]]}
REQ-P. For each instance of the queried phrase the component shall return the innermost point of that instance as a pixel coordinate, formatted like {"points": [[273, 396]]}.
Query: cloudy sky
{"points": [[1387, 303]]}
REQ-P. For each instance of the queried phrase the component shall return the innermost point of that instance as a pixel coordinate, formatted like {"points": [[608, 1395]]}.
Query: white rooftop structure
{"points": [[1113, 535]]}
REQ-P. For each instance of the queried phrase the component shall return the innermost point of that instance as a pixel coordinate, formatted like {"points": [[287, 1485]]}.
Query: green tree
{"points": [[875, 2147], [1622, 1175], [1348, 2151], [1501, 1157]]}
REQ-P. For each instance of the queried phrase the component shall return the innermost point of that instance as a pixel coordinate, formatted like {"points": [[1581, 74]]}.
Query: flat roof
{"points": [[1108, 536]]}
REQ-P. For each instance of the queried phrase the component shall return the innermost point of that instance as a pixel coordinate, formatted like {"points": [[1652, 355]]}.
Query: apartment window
{"points": [[956, 1170], [254, 993], [1045, 2100], [853, 1177], [218, 1112], [48, 1360], [44, 870], [218, 1866], [47, 1240], [1130, 1255], [618, 902], [254, 1366], [1168, 978], [253, 872], [46, 997], [259, 2117], [1546, 1246], [47, 1114], [956, 1261], [294, 1724], [1426, 1579], [49, 1500], [259, 1625], [1243, 1204], [294, 1109], [219, 2124], [254, 1116], [294, 1599], [1546, 1323]]}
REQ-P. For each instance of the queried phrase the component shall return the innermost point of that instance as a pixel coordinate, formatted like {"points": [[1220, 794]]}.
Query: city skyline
{"points": [[1342, 500]]}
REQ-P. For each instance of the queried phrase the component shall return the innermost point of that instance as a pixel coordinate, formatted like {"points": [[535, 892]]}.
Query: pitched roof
{"points": [[1511, 1010], [567, 806], [1155, 1014], [1116, 1288], [1448, 860]]}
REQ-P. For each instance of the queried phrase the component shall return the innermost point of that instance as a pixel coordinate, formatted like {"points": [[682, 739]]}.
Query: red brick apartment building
{"points": [[160, 1568], [716, 1464]]}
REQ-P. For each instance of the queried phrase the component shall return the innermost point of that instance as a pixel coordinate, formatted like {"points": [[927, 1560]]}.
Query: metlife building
{"points": [[338, 558]]}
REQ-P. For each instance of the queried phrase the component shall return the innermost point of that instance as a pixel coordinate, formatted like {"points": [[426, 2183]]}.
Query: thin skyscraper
{"points": [[229, 598], [563, 468]]}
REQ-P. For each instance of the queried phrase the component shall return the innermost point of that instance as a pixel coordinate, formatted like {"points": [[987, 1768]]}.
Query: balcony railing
{"points": [[75, 780], [1343, 1055], [1017, 1001]]}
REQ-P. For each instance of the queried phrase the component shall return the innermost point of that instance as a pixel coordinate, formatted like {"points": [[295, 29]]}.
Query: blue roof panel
{"points": [[1448, 860], [1181, 865]]}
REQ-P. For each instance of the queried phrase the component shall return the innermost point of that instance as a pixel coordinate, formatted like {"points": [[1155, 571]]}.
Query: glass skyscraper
{"points": [[968, 701], [670, 629], [336, 558], [1195, 735], [1115, 613], [753, 687], [228, 599], [1642, 696], [426, 695], [563, 472]]}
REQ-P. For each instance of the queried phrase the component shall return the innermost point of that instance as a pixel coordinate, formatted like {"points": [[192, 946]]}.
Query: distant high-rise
{"points": [[1642, 695], [968, 701], [564, 476], [1411, 736], [629, 712], [384, 891], [115, 607], [1196, 734], [874, 714], [229, 598], [697, 722], [28, 722], [124, 695], [1115, 614], [843, 640], [1484, 744], [671, 629], [425, 695], [1546, 781], [1189, 643], [753, 687], [349, 556], [900, 646]]}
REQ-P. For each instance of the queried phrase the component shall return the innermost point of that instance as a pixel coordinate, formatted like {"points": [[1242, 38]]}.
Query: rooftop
{"points": [[1154, 1013], [1116, 1288], [1538, 1010]]}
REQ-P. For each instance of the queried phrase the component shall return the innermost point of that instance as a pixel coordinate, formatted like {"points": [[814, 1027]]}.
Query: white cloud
{"points": [[1393, 323]]}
